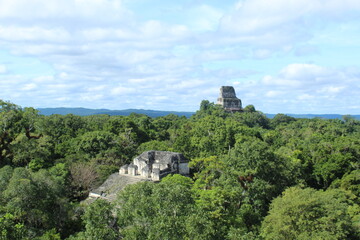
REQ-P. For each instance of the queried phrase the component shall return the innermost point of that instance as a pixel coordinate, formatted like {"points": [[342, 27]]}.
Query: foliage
{"points": [[155, 145], [99, 221], [249, 108], [155, 211], [242, 165], [10, 229], [349, 182], [309, 214], [34, 199]]}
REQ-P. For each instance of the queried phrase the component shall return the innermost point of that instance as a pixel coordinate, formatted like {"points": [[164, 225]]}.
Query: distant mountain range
{"points": [[156, 113], [325, 116], [126, 112]]}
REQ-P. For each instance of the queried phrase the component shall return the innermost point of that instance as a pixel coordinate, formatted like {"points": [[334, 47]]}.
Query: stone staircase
{"points": [[114, 184]]}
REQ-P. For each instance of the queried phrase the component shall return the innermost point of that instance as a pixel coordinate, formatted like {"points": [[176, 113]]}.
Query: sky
{"points": [[297, 56]]}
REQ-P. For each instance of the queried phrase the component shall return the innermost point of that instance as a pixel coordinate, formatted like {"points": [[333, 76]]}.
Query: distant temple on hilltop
{"points": [[228, 99]]}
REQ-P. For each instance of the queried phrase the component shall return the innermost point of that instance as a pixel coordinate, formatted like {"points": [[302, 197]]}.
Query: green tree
{"points": [[61, 128], [249, 108], [50, 235], [120, 125], [137, 210], [251, 156], [333, 158], [163, 126], [155, 145], [309, 214], [35, 200], [34, 153], [281, 119], [155, 211], [209, 108], [5, 176], [349, 182], [100, 222], [11, 125], [10, 229], [252, 119]]}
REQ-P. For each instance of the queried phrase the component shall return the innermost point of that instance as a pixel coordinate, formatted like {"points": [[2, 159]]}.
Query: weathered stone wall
{"points": [[132, 169], [227, 92], [184, 169], [156, 164], [124, 169], [227, 99]]}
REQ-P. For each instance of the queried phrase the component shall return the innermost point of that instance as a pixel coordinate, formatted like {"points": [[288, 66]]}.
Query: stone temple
{"points": [[155, 165], [228, 99]]}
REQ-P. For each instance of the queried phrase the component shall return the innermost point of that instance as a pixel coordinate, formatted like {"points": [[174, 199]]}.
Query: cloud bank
{"points": [[121, 54]]}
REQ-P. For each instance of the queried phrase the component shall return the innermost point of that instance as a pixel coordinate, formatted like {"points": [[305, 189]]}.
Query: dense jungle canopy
{"points": [[252, 177]]}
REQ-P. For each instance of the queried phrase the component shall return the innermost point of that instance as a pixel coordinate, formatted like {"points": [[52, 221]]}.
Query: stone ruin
{"points": [[155, 165], [228, 99]]}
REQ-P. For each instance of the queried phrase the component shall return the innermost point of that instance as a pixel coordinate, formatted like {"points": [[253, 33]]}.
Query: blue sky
{"points": [[299, 56]]}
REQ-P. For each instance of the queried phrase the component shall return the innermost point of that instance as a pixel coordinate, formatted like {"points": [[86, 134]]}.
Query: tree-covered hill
{"points": [[252, 177]]}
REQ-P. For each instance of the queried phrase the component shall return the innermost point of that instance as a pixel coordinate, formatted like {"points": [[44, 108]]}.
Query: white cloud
{"points": [[122, 90], [332, 89], [29, 86], [33, 33], [281, 82], [280, 22], [205, 18], [297, 87], [305, 72], [273, 93], [305, 97], [188, 84], [96, 88], [90, 97], [102, 52], [3, 69], [107, 34], [43, 79], [262, 53], [100, 10]]}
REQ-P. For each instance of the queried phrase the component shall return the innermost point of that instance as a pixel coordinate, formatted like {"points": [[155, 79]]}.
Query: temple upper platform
{"points": [[227, 99]]}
